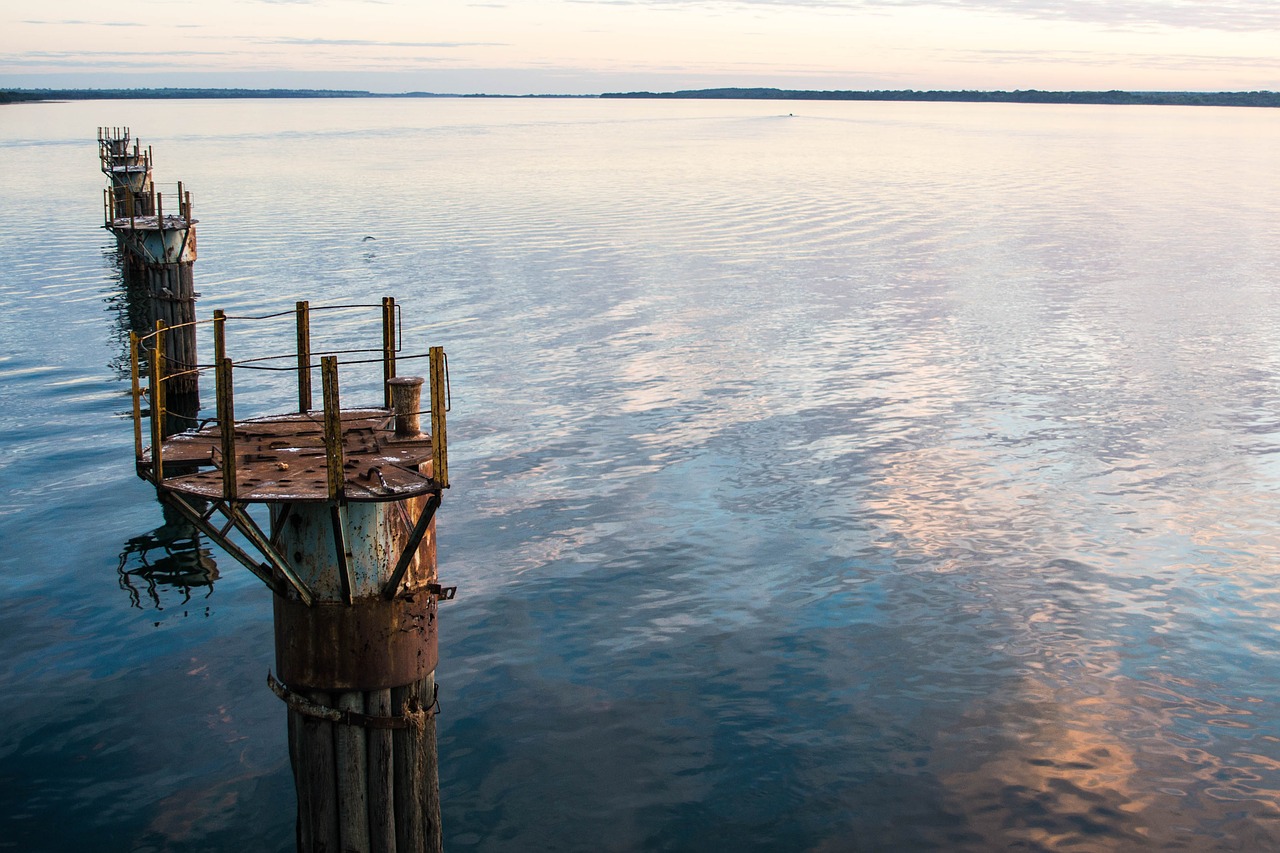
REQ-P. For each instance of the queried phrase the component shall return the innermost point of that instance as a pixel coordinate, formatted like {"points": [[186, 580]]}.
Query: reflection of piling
{"points": [[171, 557], [157, 251], [347, 544]]}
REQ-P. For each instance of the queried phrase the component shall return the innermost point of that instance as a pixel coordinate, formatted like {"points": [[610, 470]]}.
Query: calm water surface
{"points": [[878, 477]]}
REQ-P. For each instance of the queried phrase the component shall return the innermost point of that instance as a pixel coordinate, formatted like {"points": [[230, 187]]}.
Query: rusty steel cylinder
{"points": [[356, 650]]}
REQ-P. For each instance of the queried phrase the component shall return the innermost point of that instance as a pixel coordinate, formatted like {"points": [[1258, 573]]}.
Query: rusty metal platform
{"points": [[283, 459]]}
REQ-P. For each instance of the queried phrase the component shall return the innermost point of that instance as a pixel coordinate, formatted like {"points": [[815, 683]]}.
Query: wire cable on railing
{"points": [[376, 416], [293, 355], [181, 417], [292, 312], [273, 316], [252, 363], [245, 363], [316, 416], [194, 371]]}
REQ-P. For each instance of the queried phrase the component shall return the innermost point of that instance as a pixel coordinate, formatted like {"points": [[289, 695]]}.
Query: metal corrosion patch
{"points": [[372, 644], [284, 459]]}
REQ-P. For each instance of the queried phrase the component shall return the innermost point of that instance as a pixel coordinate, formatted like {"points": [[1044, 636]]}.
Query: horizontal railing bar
{"points": [[289, 313]]}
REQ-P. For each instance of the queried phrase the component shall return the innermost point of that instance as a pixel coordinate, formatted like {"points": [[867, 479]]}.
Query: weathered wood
{"points": [[156, 399], [428, 759], [169, 293], [352, 777], [305, 820], [226, 430], [382, 825], [410, 827], [315, 778], [417, 783]]}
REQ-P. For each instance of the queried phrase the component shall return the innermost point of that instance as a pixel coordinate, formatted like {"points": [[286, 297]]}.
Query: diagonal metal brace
{"points": [[340, 547], [251, 531], [275, 572], [261, 570], [411, 547]]}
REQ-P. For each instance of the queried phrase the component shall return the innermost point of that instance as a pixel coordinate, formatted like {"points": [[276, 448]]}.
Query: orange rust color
{"points": [[282, 459]]}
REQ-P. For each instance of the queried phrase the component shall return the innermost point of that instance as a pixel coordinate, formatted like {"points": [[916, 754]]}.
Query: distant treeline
{"points": [[9, 96], [1021, 96], [13, 96]]}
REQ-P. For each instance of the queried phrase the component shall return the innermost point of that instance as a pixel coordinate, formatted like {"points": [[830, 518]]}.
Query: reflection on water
{"points": [[169, 558], [886, 477]]}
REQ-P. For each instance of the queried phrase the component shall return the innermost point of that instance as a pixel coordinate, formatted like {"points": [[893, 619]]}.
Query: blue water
{"points": [[877, 477]]}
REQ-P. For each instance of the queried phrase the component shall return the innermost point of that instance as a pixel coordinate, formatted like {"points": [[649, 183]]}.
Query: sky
{"points": [[594, 46]]}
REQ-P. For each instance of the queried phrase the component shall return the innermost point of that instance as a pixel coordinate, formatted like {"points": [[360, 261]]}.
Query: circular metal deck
{"points": [[282, 459]]}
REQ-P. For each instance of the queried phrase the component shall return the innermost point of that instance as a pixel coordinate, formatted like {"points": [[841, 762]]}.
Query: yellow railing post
{"points": [[135, 385], [219, 337], [303, 311], [388, 347], [157, 404], [226, 424], [439, 401], [332, 427]]}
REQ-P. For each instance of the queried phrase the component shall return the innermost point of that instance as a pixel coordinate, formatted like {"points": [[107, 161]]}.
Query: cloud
{"points": [[1229, 15], [318, 42], [85, 23], [1167, 61], [89, 55], [91, 64], [126, 59]]}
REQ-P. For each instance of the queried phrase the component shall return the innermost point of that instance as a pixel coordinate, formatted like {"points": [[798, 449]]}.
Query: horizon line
{"points": [[1173, 97]]}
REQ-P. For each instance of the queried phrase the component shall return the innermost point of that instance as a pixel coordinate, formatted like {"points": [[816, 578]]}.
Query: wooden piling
{"points": [[156, 254], [381, 782], [384, 776], [312, 752], [132, 191], [351, 762], [365, 651], [350, 550]]}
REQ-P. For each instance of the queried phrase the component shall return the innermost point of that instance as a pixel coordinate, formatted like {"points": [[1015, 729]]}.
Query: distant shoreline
{"points": [[1018, 96], [14, 96]]}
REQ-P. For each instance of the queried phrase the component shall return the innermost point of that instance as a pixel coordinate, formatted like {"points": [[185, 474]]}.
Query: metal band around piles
{"points": [[410, 717]]}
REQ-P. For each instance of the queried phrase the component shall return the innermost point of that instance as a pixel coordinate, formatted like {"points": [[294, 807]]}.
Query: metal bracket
{"points": [[444, 593]]}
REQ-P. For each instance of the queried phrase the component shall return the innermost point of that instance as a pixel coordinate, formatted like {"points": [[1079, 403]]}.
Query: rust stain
{"points": [[282, 458]]}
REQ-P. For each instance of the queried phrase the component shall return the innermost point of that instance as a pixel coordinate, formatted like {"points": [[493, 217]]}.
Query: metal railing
{"points": [[304, 362]]}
